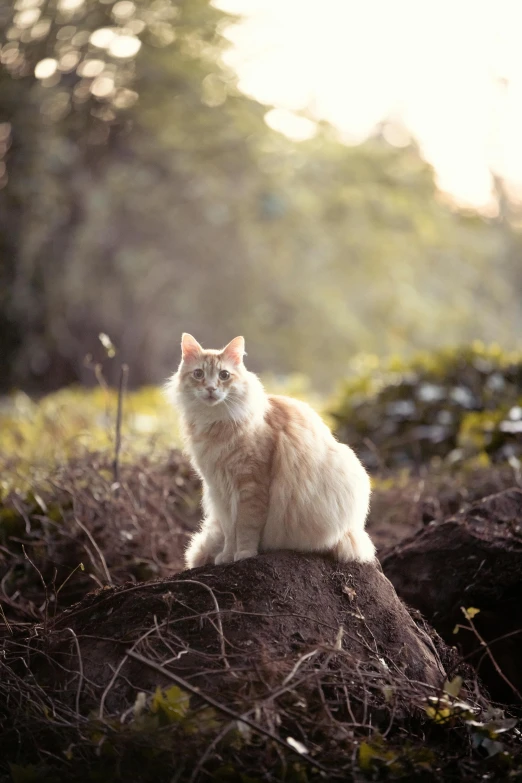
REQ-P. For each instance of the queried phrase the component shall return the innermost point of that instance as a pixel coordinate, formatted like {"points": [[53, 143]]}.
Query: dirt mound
{"points": [[273, 668], [262, 613], [471, 561]]}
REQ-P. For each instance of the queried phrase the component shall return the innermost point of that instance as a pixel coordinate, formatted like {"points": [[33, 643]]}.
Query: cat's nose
{"points": [[211, 389]]}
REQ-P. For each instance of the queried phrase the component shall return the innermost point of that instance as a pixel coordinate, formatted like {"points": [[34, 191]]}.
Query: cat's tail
{"points": [[354, 545], [205, 545]]}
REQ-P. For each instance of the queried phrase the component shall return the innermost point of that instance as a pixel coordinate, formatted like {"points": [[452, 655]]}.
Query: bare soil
{"points": [[272, 609], [472, 559]]}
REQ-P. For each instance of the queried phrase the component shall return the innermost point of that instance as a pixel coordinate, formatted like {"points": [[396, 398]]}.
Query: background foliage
{"points": [[463, 407], [142, 194]]}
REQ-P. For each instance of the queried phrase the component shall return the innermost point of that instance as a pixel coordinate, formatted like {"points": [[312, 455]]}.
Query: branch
{"points": [[124, 372], [222, 708]]}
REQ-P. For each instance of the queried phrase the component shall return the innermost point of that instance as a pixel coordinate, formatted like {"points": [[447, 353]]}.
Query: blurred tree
{"points": [[141, 194], [97, 186]]}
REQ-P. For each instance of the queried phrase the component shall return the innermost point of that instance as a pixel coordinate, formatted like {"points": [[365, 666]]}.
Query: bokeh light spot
{"points": [[80, 39], [40, 29], [124, 99], [69, 61], [396, 134], [10, 54], [162, 34], [27, 18], [214, 90], [102, 38], [91, 68], [123, 46], [46, 68], [292, 125], [135, 26], [102, 87], [123, 10], [70, 5], [21, 5]]}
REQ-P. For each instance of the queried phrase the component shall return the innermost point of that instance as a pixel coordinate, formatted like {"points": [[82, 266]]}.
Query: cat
{"points": [[274, 477]]}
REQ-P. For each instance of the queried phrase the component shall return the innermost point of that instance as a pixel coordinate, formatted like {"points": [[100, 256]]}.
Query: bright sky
{"points": [[449, 70]]}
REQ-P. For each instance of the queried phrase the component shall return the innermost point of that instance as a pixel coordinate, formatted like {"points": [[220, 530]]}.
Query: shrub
{"points": [[459, 405]]}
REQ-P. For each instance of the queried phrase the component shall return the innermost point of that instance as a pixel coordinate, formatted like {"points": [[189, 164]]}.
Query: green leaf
{"points": [[470, 612], [201, 721], [454, 686], [375, 751], [440, 710], [173, 703], [367, 754], [439, 714]]}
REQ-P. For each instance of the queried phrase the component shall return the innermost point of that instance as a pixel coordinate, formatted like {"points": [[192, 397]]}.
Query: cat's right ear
{"points": [[235, 350], [190, 348]]}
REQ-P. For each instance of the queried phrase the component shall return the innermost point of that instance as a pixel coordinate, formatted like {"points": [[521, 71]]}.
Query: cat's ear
{"points": [[190, 348], [235, 350]]}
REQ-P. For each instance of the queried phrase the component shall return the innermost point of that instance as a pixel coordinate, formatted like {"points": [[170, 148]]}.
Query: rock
{"points": [[473, 559], [273, 609]]}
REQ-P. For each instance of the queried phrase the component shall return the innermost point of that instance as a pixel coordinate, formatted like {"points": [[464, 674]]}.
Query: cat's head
{"points": [[210, 377]]}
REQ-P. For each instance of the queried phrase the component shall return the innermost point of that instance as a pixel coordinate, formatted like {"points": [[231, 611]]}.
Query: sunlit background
{"points": [[447, 73], [330, 178]]}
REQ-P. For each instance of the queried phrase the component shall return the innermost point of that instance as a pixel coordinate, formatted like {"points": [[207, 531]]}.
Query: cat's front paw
{"points": [[243, 554], [224, 557]]}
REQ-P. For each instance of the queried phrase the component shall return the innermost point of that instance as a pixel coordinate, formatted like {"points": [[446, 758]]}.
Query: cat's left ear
{"points": [[235, 350], [190, 348]]}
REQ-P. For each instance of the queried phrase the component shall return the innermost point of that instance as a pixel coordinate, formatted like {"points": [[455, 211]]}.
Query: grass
{"points": [[36, 438], [68, 527]]}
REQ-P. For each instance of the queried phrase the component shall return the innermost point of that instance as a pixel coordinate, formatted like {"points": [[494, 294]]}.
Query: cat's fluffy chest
{"points": [[219, 470], [227, 462], [220, 457]]}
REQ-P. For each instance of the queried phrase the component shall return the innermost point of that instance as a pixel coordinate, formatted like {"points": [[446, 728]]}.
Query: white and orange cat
{"points": [[274, 477]]}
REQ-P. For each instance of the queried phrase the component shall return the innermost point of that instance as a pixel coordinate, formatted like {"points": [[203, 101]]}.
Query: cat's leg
{"points": [[226, 555], [205, 544], [220, 548], [251, 519]]}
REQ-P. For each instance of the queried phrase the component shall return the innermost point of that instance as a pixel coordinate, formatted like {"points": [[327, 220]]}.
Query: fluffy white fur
{"points": [[274, 477]]}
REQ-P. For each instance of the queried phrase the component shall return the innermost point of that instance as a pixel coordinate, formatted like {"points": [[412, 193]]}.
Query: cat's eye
{"points": [[224, 375], [198, 374]]}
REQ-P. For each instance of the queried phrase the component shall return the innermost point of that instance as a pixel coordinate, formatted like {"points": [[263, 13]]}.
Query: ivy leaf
{"points": [[366, 756], [439, 714], [453, 687], [470, 612], [173, 703]]}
